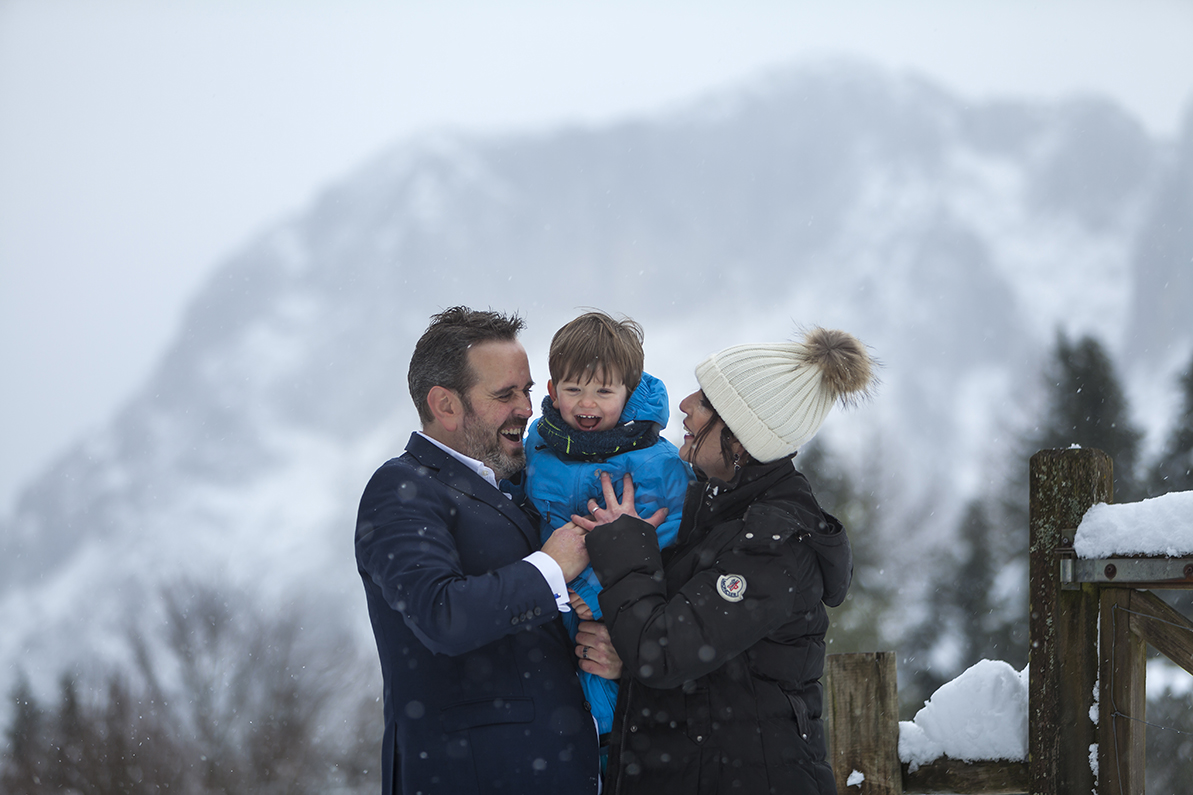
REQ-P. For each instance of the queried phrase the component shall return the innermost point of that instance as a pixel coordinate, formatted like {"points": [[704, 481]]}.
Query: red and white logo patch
{"points": [[731, 587]]}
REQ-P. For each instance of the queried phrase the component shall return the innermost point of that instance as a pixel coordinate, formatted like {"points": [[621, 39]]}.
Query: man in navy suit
{"points": [[481, 692]]}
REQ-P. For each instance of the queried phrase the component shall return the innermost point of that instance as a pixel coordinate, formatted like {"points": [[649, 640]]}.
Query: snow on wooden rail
{"points": [[1159, 526]]}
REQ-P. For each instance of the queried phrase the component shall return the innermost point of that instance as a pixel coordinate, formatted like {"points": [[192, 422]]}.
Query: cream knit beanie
{"points": [[774, 396]]}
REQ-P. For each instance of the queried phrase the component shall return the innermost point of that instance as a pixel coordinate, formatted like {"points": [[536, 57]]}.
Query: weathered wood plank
{"points": [[862, 721], [966, 778], [1164, 627], [1064, 485], [1123, 698]]}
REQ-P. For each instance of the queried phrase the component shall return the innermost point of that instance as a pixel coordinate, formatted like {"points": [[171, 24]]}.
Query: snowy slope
{"points": [[953, 238]]}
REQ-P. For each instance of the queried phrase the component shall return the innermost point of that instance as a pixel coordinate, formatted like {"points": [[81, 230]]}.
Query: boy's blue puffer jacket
{"points": [[561, 487]]}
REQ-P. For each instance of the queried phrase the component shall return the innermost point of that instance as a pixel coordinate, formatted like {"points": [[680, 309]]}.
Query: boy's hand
{"points": [[579, 606], [614, 507], [596, 652]]}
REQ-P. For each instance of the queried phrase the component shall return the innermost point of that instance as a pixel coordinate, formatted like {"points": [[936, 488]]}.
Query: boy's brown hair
{"points": [[594, 341]]}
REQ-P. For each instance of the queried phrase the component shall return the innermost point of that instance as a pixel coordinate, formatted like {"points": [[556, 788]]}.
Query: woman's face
{"points": [[698, 414]]}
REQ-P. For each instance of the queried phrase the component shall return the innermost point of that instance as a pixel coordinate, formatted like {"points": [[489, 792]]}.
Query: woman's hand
{"points": [[614, 507], [579, 606], [596, 652]]}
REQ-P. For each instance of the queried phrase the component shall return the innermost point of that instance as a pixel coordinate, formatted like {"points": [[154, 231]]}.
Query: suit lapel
{"points": [[451, 472]]}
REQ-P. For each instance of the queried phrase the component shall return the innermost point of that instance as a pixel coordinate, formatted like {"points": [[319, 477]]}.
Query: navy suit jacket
{"points": [[481, 691]]}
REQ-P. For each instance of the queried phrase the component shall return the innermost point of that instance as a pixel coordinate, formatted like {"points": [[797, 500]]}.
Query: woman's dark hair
{"points": [[727, 438], [441, 355]]}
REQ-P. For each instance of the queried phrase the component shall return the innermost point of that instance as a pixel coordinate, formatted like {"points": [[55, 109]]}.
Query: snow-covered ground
{"points": [[982, 714]]}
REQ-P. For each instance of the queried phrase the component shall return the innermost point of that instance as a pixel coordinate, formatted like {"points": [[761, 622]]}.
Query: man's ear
{"points": [[551, 392], [446, 407]]}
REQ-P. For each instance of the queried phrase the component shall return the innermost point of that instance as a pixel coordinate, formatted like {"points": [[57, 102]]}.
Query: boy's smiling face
{"points": [[593, 405]]}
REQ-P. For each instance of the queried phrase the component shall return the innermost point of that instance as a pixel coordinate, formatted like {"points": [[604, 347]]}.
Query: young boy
{"points": [[601, 414]]}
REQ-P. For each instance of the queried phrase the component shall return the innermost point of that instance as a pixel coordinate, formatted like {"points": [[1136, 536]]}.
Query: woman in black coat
{"points": [[722, 635]]}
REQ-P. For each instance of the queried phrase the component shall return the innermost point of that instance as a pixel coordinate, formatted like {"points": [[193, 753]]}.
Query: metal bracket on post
{"points": [[1148, 573]]}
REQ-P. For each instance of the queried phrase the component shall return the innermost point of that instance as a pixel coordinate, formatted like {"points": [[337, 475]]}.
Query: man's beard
{"points": [[483, 444]]}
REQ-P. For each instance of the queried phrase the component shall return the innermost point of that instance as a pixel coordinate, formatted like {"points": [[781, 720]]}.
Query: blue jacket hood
{"points": [[647, 403]]}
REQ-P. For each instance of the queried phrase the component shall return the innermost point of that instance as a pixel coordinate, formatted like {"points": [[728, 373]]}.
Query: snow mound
{"points": [[1159, 526], [980, 715]]}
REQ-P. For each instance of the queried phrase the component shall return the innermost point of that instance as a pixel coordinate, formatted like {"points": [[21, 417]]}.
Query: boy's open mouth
{"points": [[587, 422]]}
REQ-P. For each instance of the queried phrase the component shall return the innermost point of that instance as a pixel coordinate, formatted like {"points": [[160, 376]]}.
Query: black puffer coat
{"points": [[722, 638]]}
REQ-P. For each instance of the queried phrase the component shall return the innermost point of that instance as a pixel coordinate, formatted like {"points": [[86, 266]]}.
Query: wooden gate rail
{"points": [[1089, 628], [861, 713], [1130, 620], [967, 778]]}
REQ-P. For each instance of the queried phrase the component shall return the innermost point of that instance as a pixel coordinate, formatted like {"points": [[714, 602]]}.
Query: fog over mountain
{"points": [[954, 238]]}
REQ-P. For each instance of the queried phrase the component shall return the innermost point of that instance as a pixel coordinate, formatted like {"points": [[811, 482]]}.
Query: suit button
{"points": [[514, 620], [538, 611]]}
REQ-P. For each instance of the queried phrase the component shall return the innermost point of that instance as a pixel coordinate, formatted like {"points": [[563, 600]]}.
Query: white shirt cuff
{"points": [[554, 577]]}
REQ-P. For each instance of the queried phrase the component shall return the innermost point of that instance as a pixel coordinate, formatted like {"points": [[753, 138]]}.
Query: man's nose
{"points": [[524, 408]]}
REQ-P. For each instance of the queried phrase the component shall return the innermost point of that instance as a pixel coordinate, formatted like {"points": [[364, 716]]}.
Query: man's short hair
{"points": [[594, 341], [441, 355]]}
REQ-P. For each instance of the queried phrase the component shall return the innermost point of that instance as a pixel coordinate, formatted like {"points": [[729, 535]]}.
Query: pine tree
{"points": [[1169, 742], [856, 625], [1083, 404], [76, 740], [24, 763], [1174, 469], [1087, 407], [968, 619], [995, 623]]}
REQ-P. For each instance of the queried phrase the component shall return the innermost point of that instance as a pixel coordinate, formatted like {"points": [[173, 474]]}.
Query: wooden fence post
{"points": [[1064, 485], [861, 711]]}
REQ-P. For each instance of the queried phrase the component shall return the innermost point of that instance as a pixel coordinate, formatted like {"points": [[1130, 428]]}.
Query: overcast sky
{"points": [[143, 141]]}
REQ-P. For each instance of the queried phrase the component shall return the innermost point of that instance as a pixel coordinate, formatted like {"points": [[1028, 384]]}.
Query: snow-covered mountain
{"points": [[952, 237]]}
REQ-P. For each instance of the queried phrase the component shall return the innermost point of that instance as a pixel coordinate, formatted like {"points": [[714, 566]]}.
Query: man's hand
{"points": [[566, 547], [596, 652], [614, 507]]}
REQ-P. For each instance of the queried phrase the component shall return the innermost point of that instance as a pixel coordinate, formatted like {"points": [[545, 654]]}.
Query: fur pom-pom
{"points": [[847, 369]]}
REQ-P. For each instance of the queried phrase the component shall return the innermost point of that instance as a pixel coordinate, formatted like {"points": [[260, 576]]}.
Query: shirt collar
{"points": [[476, 466]]}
